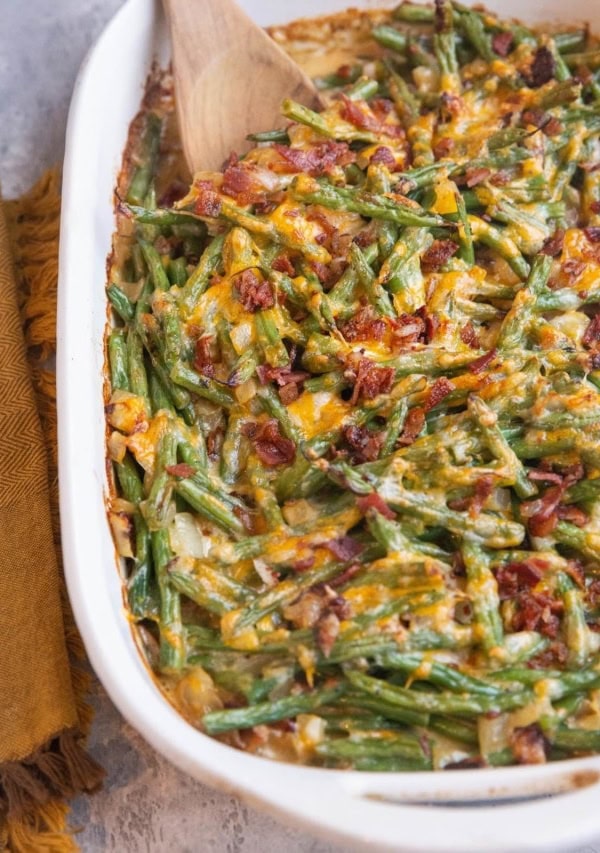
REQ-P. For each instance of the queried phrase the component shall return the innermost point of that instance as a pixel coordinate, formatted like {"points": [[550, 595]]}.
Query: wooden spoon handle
{"points": [[230, 79]]}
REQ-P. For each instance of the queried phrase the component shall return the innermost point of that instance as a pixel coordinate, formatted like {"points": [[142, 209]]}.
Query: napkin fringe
{"points": [[33, 791]]}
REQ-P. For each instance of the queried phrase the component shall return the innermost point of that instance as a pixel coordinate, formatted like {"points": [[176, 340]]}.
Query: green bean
{"points": [[117, 356]]}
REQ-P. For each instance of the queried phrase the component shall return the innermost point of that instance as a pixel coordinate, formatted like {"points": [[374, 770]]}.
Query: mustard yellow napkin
{"points": [[43, 716]]}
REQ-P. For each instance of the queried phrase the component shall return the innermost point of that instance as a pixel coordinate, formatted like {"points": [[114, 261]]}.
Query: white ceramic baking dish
{"points": [[536, 808]]}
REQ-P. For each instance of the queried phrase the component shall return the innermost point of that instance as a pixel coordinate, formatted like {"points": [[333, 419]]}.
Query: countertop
{"points": [[146, 804]]}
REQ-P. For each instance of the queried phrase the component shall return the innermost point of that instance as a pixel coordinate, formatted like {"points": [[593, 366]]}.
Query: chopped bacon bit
{"points": [[513, 578], [369, 380], [592, 233], [572, 269], [574, 514], [282, 263], [502, 43], [364, 443], [208, 202], [254, 292], [319, 159], [553, 245], [431, 323], [533, 116], [575, 571], [480, 364], [477, 176], [203, 362], [544, 476], [288, 393], [352, 112], [450, 106], [484, 487], [182, 469], [543, 513], [440, 389], [322, 270], [407, 329], [528, 744], [381, 106], [438, 254], [236, 181], [304, 564], [555, 655], [327, 630], [281, 375], [538, 611], [364, 326], [552, 127], [346, 576], [214, 442], [542, 68], [345, 548], [376, 502], [383, 155], [443, 147], [414, 423], [272, 448], [469, 336], [595, 207]]}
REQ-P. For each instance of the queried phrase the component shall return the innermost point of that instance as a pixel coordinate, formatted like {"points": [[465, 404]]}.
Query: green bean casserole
{"points": [[354, 402]]}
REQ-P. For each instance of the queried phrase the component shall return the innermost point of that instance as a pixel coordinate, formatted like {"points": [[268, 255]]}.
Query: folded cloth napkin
{"points": [[43, 715]]}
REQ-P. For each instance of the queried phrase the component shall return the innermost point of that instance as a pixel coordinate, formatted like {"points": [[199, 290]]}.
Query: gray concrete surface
{"points": [[146, 804]]}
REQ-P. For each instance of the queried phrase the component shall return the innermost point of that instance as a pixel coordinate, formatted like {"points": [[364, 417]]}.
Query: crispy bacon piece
{"points": [[254, 292], [304, 564], [182, 469], [592, 232], [443, 147], [574, 514], [366, 120], [431, 323], [323, 272], [282, 263], [469, 336], [480, 364], [272, 448], [437, 254], [477, 176], [208, 202], [595, 206], [512, 578], [319, 159], [203, 362], [529, 745], [343, 578], [366, 325], [440, 389], [345, 548], [538, 611], [555, 655], [414, 423], [384, 155], [365, 443], [484, 487], [502, 43], [407, 329], [214, 442], [236, 180], [542, 68], [369, 380], [288, 380], [553, 245], [376, 502], [543, 513]]}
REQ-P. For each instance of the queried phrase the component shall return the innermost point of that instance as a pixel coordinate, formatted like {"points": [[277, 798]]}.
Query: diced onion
{"points": [[186, 538]]}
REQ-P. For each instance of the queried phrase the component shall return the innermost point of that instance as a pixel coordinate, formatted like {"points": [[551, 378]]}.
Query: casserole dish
{"points": [[352, 810]]}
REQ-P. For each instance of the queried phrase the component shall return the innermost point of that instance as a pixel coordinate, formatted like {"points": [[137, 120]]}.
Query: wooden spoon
{"points": [[230, 79]]}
